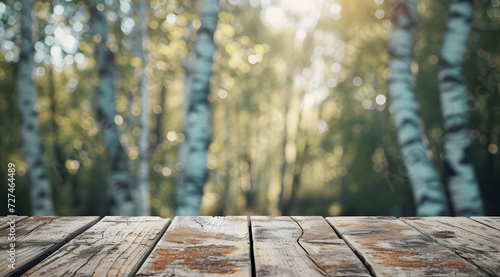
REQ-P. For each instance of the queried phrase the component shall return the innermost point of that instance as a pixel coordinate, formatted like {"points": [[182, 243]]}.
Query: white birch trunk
{"points": [[40, 190], [120, 185], [428, 190], [462, 182], [142, 33], [198, 120]]}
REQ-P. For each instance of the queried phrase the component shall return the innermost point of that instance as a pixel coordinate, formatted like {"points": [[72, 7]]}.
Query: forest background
{"points": [[300, 116]]}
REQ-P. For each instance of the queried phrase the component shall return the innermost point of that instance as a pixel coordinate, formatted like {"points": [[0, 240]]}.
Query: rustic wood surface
{"points": [[276, 250], [471, 240], [116, 246], [301, 246], [295, 246], [389, 247], [492, 221], [5, 220], [202, 246], [37, 237]]}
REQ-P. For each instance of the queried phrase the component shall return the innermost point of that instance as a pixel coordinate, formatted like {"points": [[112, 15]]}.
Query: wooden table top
{"points": [[250, 246]]}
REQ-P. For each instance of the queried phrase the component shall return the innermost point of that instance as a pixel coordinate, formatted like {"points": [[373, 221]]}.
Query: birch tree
{"points": [[40, 191], [198, 119], [119, 191], [141, 42], [428, 190], [462, 182]]}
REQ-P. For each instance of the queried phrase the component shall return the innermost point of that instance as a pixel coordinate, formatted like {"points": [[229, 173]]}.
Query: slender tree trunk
{"points": [[120, 188], [428, 190], [143, 161], [198, 120], [462, 182], [189, 67], [40, 191]]}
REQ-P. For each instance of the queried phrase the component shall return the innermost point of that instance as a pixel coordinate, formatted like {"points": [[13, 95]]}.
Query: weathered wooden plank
{"points": [[115, 246], [390, 247], [37, 237], [6, 220], [301, 246], [477, 243], [201, 246], [492, 221], [276, 251]]}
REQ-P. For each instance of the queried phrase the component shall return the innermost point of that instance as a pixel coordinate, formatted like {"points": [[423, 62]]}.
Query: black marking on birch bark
{"points": [[455, 14], [119, 161], [107, 70], [467, 158], [408, 121], [41, 194], [444, 62], [456, 127], [128, 197], [23, 56], [409, 142], [454, 79], [42, 176], [449, 171], [37, 163], [30, 127], [205, 30], [112, 201]]}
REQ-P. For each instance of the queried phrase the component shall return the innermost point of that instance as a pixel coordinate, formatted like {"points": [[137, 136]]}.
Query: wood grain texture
{"points": [[116, 246], [492, 221], [325, 249], [202, 246], [301, 246], [37, 237], [389, 247], [276, 251], [477, 243], [5, 220]]}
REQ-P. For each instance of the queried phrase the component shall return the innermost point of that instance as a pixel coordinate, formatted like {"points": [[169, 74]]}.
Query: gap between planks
{"points": [[301, 246], [38, 237]]}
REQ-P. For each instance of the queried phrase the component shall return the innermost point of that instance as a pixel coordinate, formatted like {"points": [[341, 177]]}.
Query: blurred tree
{"points": [[141, 43], [188, 65], [120, 187], [41, 191], [428, 191], [462, 182], [198, 118]]}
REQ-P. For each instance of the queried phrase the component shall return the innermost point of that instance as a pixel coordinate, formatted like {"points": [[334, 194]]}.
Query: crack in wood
{"points": [[318, 267]]}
